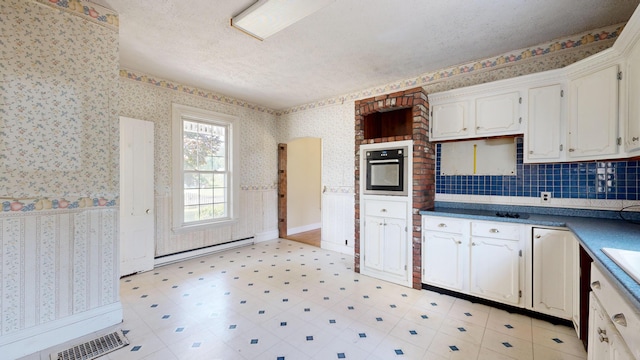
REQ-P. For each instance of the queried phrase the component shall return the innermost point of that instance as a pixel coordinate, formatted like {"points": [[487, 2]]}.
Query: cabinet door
{"points": [[373, 242], [553, 272], [598, 341], [394, 257], [618, 349], [632, 136], [442, 259], [544, 126], [499, 114], [593, 119], [450, 121], [495, 269]]}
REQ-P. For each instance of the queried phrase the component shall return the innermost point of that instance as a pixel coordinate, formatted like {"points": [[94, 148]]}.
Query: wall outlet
{"points": [[545, 196]]}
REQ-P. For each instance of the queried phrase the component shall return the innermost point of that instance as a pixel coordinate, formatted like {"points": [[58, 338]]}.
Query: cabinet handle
{"points": [[635, 138], [458, 242], [442, 225], [595, 285], [473, 244], [494, 231], [464, 129], [600, 331], [619, 319], [572, 150], [530, 152], [538, 236], [383, 210], [477, 127], [604, 338]]}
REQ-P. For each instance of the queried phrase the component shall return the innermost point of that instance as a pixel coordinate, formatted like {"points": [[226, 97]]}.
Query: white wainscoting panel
{"points": [[55, 265], [258, 216], [338, 222]]}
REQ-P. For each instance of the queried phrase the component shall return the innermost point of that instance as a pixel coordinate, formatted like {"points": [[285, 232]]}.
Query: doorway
{"points": [[300, 176]]}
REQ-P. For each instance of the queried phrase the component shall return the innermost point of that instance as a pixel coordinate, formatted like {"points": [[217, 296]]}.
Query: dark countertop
{"points": [[593, 229]]}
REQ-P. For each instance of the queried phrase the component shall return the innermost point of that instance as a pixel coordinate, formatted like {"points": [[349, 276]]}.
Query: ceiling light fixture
{"points": [[267, 17]]}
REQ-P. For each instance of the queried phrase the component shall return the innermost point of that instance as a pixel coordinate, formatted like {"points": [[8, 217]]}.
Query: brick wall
{"points": [[423, 162]]}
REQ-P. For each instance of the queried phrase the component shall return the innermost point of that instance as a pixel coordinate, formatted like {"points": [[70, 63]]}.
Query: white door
{"points": [[498, 114], [395, 247], [450, 120], [553, 272], [543, 137], [442, 258], [495, 269], [593, 120], [136, 196], [373, 242]]}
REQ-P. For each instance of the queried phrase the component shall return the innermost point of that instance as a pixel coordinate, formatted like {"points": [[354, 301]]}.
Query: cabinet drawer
{"points": [[625, 317], [495, 230], [443, 224], [390, 209]]}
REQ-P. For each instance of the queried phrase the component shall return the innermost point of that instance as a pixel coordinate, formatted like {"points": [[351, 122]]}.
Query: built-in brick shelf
{"points": [[371, 115]]}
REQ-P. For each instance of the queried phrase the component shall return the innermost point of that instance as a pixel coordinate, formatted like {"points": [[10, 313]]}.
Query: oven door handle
{"points": [[389, 161]]}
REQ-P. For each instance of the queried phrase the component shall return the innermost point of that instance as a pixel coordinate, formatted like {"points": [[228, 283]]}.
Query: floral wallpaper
{"points": [[146, 100], [334, 125], [58, 119]]}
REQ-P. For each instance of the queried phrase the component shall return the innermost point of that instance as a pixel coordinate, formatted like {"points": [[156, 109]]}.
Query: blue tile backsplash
{"points": [[585, 180]]}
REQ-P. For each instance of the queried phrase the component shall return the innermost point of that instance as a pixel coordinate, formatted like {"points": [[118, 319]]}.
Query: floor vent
{"points": [[93, 348]]}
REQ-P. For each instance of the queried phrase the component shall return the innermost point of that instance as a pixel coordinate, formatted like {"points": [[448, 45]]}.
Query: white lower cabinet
{"points": [[479, 258], [555, 273], [614, 325], [495, 261], [385, 245], [445, 252]]}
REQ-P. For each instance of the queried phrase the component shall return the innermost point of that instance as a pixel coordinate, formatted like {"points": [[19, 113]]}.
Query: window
{"points": [[204, 186]]}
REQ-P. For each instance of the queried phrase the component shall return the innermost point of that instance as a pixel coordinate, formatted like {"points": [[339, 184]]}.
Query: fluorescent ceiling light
{"points": [[267, 17]]}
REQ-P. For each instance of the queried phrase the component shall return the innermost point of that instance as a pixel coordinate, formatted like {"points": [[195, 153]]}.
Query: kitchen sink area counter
{"points": [[594, 229]]}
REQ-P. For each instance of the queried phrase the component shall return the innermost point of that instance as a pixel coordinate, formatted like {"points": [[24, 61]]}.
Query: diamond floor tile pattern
{"points": [[286, 300]]}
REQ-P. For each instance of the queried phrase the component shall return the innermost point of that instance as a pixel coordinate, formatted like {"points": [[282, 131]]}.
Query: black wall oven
{"points": [[386, 172]]}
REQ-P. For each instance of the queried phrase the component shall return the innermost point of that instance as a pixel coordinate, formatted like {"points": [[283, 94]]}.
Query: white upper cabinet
{"points": [[453, 120], [544, 140], [498, 114], [632, 78], [593, 115], [477, 111]]}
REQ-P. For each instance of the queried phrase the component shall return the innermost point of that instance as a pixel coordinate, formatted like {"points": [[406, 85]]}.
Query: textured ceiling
{"points": [[349, 45]]}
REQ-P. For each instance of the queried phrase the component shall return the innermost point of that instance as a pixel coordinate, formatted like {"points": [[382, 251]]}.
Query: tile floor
{"points": [[284, 300]]}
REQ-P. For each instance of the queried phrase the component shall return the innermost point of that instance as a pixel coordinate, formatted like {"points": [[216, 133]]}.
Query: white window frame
{"points": [[179, 113]]}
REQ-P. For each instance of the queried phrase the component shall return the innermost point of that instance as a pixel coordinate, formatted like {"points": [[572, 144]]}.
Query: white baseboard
{"points": [[266, 236], [303, 228], [38, 338], [200, 252], [343, 249]]}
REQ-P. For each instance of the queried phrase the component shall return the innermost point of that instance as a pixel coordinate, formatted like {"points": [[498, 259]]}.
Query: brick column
{"points": [[423, 174]]}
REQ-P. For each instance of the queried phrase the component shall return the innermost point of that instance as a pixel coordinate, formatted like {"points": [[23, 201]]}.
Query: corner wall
{"points": [[58, 173]]}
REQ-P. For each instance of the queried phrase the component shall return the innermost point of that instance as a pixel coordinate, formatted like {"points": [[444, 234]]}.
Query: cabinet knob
{"points": [[442, 225], [383, 210], [530, 152], [458, 242], [572, 150], [464, 129], [473, 244], [600, 331], [493, 231], [595, 285], [538, 236], [147, 211], [619, 319], [477, 127]]}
